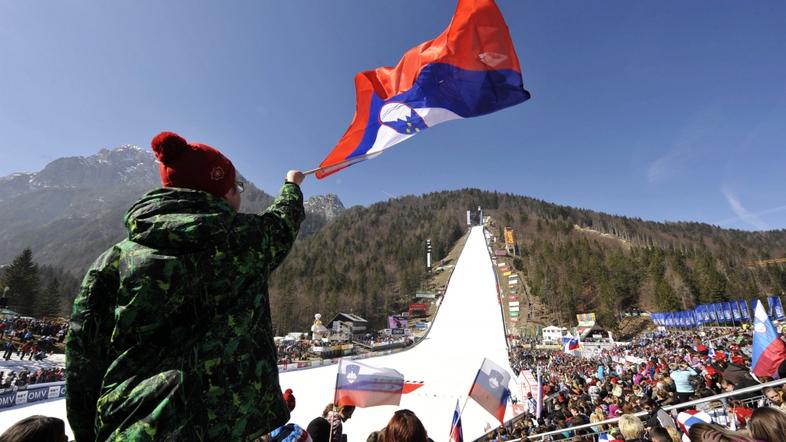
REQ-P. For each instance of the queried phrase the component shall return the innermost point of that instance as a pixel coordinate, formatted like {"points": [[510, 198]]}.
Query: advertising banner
{"points": [[735, 311], [775, 307], [585, 317], [514, 303], [727, 311], [514, 308], [397, 321], [743, 306], [418, 309], [33, 393], [711, 312]]}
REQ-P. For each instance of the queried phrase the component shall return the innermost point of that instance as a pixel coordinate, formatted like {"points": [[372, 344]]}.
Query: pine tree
{"points": [[22, 279], [49, 301]]}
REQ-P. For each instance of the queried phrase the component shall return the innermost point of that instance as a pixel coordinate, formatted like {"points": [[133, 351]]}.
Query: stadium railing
{"points": [[568, 433]]}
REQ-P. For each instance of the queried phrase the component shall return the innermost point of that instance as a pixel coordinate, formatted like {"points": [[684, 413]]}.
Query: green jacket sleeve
{"points": [[281, 222], [87, 343]]}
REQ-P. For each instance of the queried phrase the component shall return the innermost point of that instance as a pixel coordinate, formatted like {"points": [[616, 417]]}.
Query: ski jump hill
{"points": [[467, 328]]}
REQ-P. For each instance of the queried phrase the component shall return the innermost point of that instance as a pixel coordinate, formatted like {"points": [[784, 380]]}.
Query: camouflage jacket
{"points": [[171, 336]]}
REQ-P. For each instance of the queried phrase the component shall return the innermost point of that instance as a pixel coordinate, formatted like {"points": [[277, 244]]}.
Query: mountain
{"points": [[72, 210], [369, 260]]}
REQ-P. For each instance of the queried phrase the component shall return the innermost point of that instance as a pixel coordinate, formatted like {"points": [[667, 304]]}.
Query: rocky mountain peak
{"points": [[329, 206]]}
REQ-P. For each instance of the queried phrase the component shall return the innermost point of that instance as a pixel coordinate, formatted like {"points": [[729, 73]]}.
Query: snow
{"points": [[467, 328], [15, 364]]}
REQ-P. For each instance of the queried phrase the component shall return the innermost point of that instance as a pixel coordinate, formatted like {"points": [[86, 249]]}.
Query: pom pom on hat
{"points": [[168, 146], [192, 165]]}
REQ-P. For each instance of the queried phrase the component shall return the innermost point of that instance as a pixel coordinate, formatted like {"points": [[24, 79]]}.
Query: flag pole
{"points": [[468, 395], [335, 394], [345, 163], [453, 425]]}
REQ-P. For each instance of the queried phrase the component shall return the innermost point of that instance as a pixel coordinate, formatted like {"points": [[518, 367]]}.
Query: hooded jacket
{"points": [[171, 335]]}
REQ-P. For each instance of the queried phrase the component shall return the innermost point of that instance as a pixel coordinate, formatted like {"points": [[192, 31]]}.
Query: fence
{"points": [[720, 414]]}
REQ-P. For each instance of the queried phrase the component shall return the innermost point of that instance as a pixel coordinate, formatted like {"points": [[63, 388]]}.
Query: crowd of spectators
{"points": [[379, 339], [23, 378], [655, 370], [31, 338], [293, 352]]}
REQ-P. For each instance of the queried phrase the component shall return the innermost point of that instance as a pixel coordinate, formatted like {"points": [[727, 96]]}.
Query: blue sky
{"points": [[667, 110]]}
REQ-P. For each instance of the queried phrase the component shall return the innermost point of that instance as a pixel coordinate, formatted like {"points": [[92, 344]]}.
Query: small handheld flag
{"points": [[471, 69], [456, 434], [362, 385], [769, 350], [490, 389]]}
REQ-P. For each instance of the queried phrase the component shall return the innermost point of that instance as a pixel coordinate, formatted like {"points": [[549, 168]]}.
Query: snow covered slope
{"points": [[467, 328]]}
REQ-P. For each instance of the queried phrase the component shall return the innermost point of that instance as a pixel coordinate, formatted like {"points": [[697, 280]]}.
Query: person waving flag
{"points": [[471, 69]]}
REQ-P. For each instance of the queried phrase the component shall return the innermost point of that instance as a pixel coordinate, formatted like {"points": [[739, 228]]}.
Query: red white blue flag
{"points": [[769, 350], [362, 385], [689, 418], [490, 389], [569, 343], [471, 69], [456, 434]]}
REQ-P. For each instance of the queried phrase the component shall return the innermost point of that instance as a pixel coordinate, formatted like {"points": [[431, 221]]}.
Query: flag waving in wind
{"points": [[471, 69], [490, 389], [769, 350], [569, 343], [362, 385]]}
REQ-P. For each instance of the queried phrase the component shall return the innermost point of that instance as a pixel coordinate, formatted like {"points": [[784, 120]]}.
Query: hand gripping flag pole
{"points": [[328, 170]]}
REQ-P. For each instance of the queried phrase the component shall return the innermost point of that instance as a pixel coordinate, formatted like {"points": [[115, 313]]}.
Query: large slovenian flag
{"points": [[362, 385], [490, 389], [769, 350], [471, 69]]}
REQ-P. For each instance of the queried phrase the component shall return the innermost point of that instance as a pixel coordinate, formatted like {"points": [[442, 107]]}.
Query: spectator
{"points": [[404, 426], [681, 378], [319, 429], [36, 429], [768, 424], [775, 398], [659, 434], [631, 427], [191, 263], [703, 432]]}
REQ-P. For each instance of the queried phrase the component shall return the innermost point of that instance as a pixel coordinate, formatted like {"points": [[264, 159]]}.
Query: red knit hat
{"points": [[192, 165]]}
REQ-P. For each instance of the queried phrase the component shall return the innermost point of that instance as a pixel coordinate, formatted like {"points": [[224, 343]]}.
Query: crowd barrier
{"points": [[31, 393], [721, 415]]}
